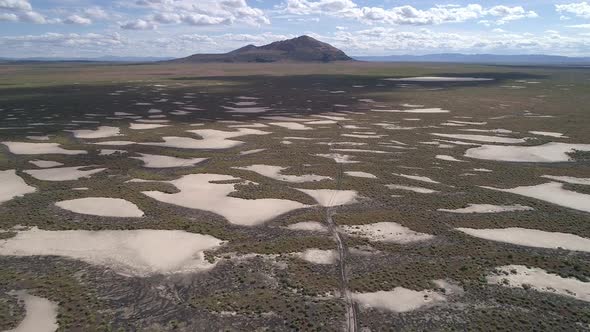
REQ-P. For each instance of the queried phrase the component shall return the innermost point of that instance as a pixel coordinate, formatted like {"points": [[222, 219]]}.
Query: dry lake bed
{"points": [[358, 197]]}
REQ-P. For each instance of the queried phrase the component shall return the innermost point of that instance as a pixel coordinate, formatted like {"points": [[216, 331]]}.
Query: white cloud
{"points": [[580, 26], [203, 13], [405, 15], [77, 19], [16, 5], [138, 25], [580, 9]]}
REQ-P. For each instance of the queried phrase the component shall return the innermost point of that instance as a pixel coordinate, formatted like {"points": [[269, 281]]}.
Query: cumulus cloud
{"points": [[203, 13], [405, 15], [580, 9], [138, 25], [77, 19], [19, 11]]}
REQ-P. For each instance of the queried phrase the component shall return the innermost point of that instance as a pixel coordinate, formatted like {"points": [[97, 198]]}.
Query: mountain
{"points": [[300, 49], [106, 58], [481, 58]]}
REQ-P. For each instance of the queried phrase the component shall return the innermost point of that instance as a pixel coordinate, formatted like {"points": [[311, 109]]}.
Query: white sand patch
{"points": [[334, 117], [247, 98], [40, 314], [285, 118], [144, 126], [362, 136], [448, 158], [493, 131], [13, 186], [245, 103], [247, 110], [520, 276], [291, 125], [415, 111], [569, 179], [411, 105], [360, 174], [531, 238], [398, 300], [39, 148], [102, 206], [63, 173], [311, 226], [386, 232], [439, 79], [153, 121], [317, 256], [45, 163], [552, 192], [157, 161], [418, 190], [321, 122], [274, 172], [211, 139], [468, 123], [115, 143], [248, 152], [100, 132], [329, 197], [484, 170], [548, 133], [197, 192], [483, 138], [39, 138], [134, 253], [488, 208], [339, 158], [416, 177], [362, 151], [250, 125], [548, 153], [286, 142]]}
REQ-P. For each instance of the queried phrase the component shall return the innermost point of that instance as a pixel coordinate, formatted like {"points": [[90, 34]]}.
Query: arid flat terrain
{"points": [[313, 197]]}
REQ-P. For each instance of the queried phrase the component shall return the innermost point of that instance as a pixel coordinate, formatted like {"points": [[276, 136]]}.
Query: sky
{"points": [[175, 28]]}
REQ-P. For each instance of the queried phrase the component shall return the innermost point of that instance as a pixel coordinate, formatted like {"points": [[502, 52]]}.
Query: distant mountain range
{"points": [[300, 49], [531, 59], [107, 58]]}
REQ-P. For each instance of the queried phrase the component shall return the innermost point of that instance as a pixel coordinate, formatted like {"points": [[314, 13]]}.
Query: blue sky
{"points": [[87, 28]]}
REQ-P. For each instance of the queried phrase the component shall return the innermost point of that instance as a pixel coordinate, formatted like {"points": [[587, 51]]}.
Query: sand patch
{"points": [[415, 111], [45, 163], [102, 206], [40, 314], [418, 190], [339, 158], [13, 186], [398, 300], [311, 226], [362, 136], [197, 192], [483, 138], [330, 198], [519, 276], [249, 152], [63, 173], [548, 133], [274, 172], [568, 179], [554, 193], [157, 161], [145, 126], [100, 132], [317, 256], [546, 153], [531, 238], [425, 79], [291, 125], [360, 174], [386, 232], [247, 110], [448, 158], [416, 177], [210, 139], [39, 148], [134, 253], [488, 208]]}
